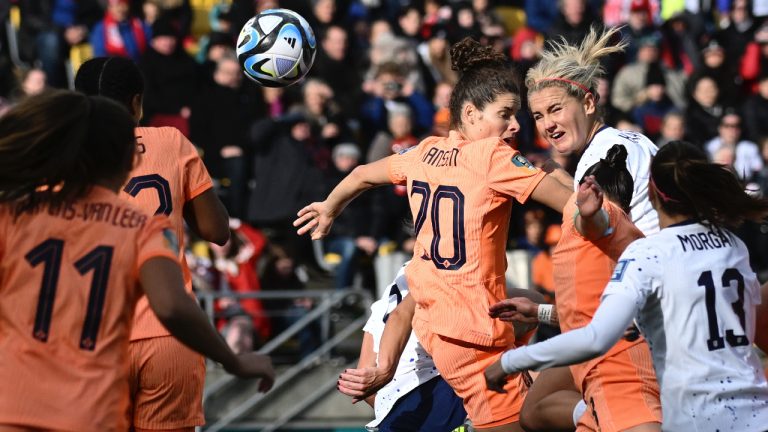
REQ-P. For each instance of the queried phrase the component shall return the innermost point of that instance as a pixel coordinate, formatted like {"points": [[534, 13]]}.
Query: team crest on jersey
{"points": [[520, 161], [171, 242], [621, 267]]}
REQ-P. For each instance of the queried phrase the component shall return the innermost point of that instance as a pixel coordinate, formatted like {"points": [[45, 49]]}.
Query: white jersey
{"points": [[640, 150], [696, 297], [416, 365]]}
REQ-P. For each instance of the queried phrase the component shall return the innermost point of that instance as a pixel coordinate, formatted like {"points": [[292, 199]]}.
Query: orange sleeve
{"points": [[510, 173], [156, 239], [398, 165], [196, 177]]}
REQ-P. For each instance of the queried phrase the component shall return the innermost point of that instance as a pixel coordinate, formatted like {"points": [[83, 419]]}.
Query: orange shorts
{"points": [[462, 365], [621, 392], [166, 381]]}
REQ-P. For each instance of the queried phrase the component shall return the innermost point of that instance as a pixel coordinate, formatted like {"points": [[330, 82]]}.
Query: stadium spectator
{"points": [[350, 236], [639, 24], [704, 110], [337, 65], [283, 174], [31, 82], [221, 114], [754, 62], [573, 21], [629, 83], [672, 128], [435, 61], [49, 28], [328, 126], [177, 12], [650, 113], [746, 154], [724, 73], [398, 136], [120, 33], [243, 322], [172, 78], [681, 51], [390, 88], [739, 31], [281, 272], [756, 110]]}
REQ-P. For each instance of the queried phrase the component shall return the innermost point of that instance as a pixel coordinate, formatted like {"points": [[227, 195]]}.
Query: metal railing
{"points": [[328, 299]]}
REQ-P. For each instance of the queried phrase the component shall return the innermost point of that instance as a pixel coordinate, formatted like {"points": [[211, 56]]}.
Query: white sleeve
{"points": [[613, 316]]}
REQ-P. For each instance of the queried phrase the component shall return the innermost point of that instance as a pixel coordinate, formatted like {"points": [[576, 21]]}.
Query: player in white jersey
{"points": [[563, 100], [693, 293], [417, 398]]}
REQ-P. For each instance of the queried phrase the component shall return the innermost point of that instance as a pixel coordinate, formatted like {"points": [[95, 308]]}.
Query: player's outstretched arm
{"points": [[552, 193], [558, 173], [164, 286], [363, 382], [318, 217], [208, 217], [614, 314], [367, 359]]}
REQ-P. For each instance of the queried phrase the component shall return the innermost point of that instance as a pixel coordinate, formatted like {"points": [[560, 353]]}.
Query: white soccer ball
{"points": [[276, 48]]}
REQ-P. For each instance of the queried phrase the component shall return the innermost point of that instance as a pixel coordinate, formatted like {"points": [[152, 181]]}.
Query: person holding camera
{"points": [[389, 91]]}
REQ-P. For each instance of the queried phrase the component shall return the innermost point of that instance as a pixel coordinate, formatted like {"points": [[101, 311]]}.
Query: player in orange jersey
{"points": [[620, 387], [167, 378], [73, 257], [460, 190]]}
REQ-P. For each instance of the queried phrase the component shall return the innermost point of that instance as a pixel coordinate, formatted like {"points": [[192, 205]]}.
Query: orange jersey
{"points": [[68, 288], [582, 269], [460, 194], [168, 174]]}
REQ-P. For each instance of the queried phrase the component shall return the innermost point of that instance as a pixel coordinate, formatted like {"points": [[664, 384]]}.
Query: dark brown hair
{"points": [[687, 184], [484, 74], [612, 175], [55, 146]]}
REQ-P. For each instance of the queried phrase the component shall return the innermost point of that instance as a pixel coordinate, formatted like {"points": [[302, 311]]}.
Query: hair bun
{"points": [[469, 54], [617, 156]]}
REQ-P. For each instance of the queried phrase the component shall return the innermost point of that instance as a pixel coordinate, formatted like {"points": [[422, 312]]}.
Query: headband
{"points": [[664, 197], [566, 80]]}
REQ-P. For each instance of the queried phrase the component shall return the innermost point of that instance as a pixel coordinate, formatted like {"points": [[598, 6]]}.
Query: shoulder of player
{"points": [[165, 136]]}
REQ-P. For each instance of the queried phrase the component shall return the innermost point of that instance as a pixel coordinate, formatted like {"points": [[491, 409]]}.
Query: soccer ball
{"points": [[276, 48]]}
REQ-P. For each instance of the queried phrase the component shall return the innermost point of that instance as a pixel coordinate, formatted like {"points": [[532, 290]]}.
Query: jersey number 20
{"points": [[715, 341], [49, 253], [453, 194]]}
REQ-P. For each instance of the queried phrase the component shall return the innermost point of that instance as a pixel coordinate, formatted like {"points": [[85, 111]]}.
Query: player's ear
{"points": [[590, 104], [468, 113], [137, 107]]}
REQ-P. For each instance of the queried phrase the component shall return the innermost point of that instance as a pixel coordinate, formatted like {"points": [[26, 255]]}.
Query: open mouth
{"points": [[556, 136]]}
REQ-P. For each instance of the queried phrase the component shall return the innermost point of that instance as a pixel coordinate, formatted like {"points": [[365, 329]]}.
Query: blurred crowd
{"points": [[381, 81]]}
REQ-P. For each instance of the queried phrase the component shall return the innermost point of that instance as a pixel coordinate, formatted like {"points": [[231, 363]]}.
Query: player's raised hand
{"points": [[517, 309], [316, 219], [495, 377], [589, 199], [363, 382], [254, 365]]}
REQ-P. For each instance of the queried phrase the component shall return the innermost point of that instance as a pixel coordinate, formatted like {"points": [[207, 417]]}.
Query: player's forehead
{"points": [[506, 100]]}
